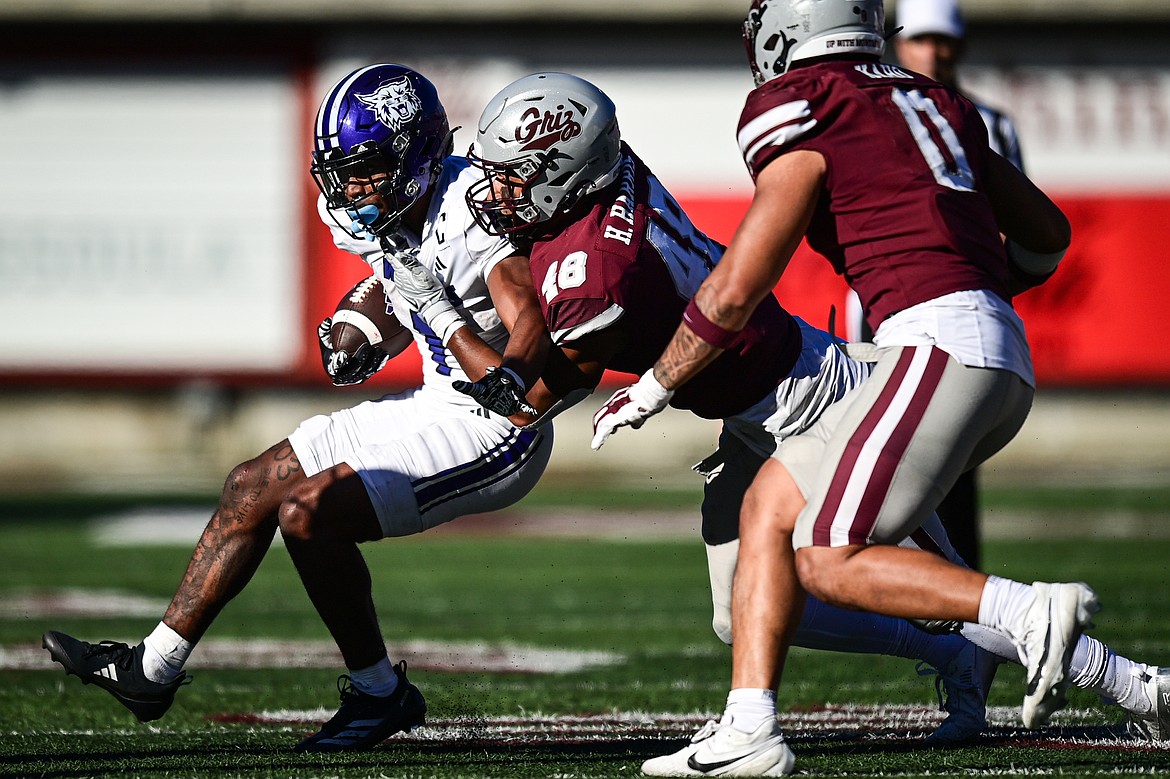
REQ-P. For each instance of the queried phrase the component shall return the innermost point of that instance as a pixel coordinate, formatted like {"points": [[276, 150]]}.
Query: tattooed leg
{"points": [[235, 540]]}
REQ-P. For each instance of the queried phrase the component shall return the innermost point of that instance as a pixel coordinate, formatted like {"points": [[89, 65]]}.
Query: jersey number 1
{"points": [[936, 139]]}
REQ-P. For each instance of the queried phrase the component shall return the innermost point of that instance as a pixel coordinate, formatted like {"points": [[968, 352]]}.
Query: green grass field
{"points": [[641, 605]]}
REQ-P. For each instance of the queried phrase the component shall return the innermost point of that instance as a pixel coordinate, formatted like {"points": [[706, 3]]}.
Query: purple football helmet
{"points": [[381, 124]]}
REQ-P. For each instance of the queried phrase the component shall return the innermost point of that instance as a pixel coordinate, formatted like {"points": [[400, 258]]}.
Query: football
{"points": [[363, 316]]}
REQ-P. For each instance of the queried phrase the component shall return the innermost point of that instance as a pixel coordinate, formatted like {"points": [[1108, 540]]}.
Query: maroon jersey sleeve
{"points": [[631, 264], [903, 216], [600, 272]]}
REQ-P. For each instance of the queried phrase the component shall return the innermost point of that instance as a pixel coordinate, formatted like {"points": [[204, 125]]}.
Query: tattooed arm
{"points": [[786, 194]]}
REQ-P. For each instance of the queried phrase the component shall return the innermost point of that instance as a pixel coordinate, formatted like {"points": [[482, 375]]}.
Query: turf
{"points": [[602, 491], [646, 601]]}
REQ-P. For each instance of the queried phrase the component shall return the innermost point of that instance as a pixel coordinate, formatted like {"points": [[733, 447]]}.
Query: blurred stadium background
{"points": [[162, 269]]}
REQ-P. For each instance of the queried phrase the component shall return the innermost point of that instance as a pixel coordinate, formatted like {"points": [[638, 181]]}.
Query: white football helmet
{"points": [[542, 142], [780, 32]]}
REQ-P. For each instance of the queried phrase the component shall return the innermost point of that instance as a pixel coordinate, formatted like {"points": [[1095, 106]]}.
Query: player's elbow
{"points": [[1056, 236], [1064, 232], [1038, 225], [1036, 258], [730, 302], [1034, 255]]}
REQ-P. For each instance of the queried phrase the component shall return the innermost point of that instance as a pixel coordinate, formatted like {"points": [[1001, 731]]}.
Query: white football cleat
{"points": [[1155, 726], [719, 749], [1045, 638], [965, 681]]}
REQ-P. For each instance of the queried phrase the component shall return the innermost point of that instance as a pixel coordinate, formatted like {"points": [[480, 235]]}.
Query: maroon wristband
{"points": [[719, 337]]}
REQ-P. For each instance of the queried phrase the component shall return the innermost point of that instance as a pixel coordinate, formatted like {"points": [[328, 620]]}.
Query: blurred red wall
{"points": [[1095, 324]]}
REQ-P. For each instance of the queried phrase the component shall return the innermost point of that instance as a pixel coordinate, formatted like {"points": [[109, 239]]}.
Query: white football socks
{"points": [[1093, 665], [1004, 603], [1098, 668], [750, 707], [1089, 664], [378, 680], [164, 653]]}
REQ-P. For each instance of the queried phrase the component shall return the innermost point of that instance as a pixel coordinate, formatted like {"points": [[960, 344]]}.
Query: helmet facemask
{"points": [[392, 194], [502, 202]]}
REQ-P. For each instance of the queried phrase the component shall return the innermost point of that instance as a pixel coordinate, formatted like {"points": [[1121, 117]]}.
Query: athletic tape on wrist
{"points": [[717, 336], [650, 391], [445, 324]]}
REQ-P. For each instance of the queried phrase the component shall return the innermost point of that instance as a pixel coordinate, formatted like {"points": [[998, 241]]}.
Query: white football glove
{"points": [[630, 407], [424, 294]]}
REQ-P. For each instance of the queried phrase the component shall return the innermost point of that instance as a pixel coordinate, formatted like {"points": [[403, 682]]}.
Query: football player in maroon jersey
{"points": [[931, 40], [890, 177], [614, 260]]}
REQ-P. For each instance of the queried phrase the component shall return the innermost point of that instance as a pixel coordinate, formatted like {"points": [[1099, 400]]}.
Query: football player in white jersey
{"points": [[399, 465]]}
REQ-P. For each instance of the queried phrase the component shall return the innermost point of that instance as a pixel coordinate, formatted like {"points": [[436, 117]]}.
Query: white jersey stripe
{"points": [[776, 117], [781, 137], [597, 323], [875, 444]]}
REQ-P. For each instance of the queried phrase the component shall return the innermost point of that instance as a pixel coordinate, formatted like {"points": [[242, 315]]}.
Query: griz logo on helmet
{"points": [[537, 131], [752, 27], [393, 103]]}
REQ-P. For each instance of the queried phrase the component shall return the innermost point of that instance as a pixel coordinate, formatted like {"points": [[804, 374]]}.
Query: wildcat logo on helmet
{"points": [[540, 131], [393, 103]]}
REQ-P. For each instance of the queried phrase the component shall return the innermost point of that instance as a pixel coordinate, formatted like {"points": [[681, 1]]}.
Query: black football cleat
{"points": [[364, 721], [117, 669]]}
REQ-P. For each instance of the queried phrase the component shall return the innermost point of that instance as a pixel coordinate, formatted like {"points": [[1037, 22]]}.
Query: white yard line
{"points": [[1072, 728], [420, 655], [172, 526]]}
